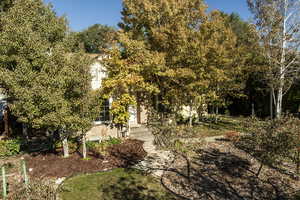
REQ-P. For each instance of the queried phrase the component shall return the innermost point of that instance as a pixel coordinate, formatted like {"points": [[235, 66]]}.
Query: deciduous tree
{"points": [[278, 23], [170, 52], [96, 37], [48, 87]]}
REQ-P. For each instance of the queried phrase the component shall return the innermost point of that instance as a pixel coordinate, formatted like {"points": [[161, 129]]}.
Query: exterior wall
{"points": [[98, 74], [101, 132]]}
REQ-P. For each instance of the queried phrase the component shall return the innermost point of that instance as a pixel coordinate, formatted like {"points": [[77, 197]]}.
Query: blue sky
{"points": [[82, 14]]}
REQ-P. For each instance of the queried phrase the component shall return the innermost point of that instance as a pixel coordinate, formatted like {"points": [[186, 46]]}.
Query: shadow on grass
{"points": [[129, 188], [117, 184]]}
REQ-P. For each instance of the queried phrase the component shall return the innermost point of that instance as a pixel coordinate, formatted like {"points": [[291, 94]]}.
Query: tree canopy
{"points": [[96, 37], [170, 53], [48, 86]]}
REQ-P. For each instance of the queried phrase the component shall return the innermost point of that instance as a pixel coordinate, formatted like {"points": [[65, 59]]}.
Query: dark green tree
{"points": [[96, 38]]}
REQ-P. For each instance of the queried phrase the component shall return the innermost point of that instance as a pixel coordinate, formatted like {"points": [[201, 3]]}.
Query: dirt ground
{"points": [[219, 171]]}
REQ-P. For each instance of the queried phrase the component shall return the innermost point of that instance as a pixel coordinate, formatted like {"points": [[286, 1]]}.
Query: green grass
{"points": [[118, 184], [208, 127]]}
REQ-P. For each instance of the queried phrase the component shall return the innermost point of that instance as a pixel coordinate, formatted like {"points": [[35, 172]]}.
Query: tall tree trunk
{"points": [[252, 110], [84, 151], [282, 64]]}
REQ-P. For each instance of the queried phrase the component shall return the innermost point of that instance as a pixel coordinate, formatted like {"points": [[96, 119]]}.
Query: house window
{"points": [[104, 113]]}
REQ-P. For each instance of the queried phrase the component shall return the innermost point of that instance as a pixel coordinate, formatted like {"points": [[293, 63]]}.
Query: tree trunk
{"points": [[25, 131], [271, 104], [217, 113], [84, 151], [280, 96], [298, 161], [65, 147], [65, 144], [190, 117], [252, 110], [50, 135], [6, 123], [282, 64]]}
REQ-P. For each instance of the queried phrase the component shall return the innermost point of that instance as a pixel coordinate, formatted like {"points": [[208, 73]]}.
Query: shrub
{"points": [[273, 141], [10, 147]]}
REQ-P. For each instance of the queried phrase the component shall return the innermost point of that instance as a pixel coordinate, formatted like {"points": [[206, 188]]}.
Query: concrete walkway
{"points": [[156, 161]]}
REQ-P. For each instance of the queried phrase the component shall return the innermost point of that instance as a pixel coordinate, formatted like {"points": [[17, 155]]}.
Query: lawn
{"points": [[208, 127], [118, 184]]}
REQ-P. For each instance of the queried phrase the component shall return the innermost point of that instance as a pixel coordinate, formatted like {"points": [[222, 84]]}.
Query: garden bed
{"points": [[55, 166]]}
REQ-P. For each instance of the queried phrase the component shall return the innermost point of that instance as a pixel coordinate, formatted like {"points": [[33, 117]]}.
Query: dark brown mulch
{"points": [[128, 153], [54, 165]]}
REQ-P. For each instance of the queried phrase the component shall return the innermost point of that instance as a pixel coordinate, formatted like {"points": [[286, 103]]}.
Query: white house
{"points": [[102, 126]]}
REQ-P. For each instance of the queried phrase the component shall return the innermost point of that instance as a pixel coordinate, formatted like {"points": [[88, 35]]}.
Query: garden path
{"points": [[156, 160]]}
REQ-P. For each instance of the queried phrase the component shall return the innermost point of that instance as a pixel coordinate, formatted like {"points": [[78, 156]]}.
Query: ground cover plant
{"points": [[10, 147]]}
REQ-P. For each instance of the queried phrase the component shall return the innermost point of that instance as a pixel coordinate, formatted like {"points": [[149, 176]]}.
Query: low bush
{"points": [[10, 147]]}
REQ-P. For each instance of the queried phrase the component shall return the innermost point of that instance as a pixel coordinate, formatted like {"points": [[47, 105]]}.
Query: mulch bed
{"points": [[220, 171], [49, 165]]}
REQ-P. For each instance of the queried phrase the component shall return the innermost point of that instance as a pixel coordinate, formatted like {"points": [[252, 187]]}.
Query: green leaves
{"points": [[48, 86], [96, 38], [172, 52]]}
